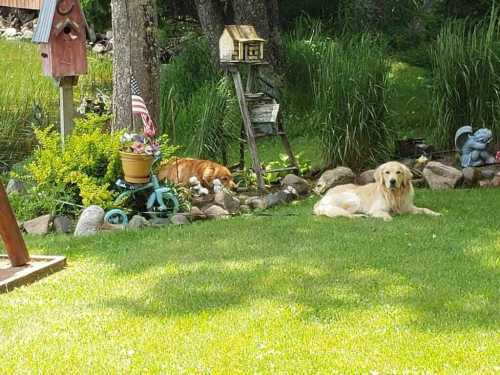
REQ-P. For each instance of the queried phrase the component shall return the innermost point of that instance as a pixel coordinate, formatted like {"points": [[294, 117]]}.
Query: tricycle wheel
{"points": [[116, 217]]}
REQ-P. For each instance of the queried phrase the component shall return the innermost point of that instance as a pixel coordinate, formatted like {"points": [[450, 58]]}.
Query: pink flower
{"points": [[138, 147], [149, 131]]}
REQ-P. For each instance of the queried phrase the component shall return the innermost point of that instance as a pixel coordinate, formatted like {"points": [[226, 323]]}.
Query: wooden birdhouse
{"points": [[62, 34], [241, 44]]}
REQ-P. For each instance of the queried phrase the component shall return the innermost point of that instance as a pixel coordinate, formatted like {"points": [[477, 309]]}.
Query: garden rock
{"points": [[216, 212], [367, 177], [496, 180], [300, 185], [15, 187], [487, 174], [27, 34], [138, 222], [227, 202], [257, 203], [419, 183], [334, 177], [471, 177], [179, 219], [90, 221], [281, 197], [440, 176], [62, 225], [196, 214], [39, 226], [10, 32]]}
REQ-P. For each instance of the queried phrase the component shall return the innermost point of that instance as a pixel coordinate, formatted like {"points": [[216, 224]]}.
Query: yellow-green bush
{"points": [[87, 165]]}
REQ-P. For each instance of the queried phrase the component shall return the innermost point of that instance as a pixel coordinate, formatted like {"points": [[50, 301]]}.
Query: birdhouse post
{"points": [[11, 234], [62, 34]]}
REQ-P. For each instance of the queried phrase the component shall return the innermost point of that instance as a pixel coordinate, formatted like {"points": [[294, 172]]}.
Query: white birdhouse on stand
{"points": [[241, 44]]}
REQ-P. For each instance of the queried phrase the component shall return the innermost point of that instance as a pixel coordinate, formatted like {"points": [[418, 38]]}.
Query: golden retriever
{"points": [[391, 193], [179, 171]]}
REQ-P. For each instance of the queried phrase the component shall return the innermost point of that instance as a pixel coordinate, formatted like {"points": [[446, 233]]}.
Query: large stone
{"points": [[281, 197], [196, 214], [334, 177], [471, 177], [15, 187], [62, 225], [257, 203], [138, 222], [367, 177], [216, 212], [39, 226], [487, 174], [440, 176], [90, 221], [300, 185], [227, 201], [179, 219]]}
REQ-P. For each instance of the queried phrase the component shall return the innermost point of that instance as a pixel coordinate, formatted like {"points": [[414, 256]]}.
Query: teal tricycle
{"points": [[161, 200]]}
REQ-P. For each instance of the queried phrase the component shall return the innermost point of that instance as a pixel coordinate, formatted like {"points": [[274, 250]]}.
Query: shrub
{"points": [[85, 168], [349, 101], [466, 68]]}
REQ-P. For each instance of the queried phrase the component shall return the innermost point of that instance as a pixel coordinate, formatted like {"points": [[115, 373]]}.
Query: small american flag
{"points": [[139, 108]]}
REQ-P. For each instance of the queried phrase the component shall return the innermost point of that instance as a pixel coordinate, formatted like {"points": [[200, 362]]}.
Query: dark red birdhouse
{"points": [[62, 35]]}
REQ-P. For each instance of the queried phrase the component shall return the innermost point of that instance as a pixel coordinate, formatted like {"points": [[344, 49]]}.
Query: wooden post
{"points": [[248, 128], [11, 234], [67, 109]]}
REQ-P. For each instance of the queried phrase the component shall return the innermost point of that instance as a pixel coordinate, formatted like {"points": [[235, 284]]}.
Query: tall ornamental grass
{"points": [[466, 68], [350, 101], [28, 98]]}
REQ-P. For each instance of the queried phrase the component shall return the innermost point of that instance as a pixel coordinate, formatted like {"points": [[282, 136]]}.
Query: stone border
{"points": [[33, 272]]}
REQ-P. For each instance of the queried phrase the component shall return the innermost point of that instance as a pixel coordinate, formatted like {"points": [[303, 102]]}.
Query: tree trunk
{"points": [[211, 16], [122, 100], [144, 54], [264, 15], [135, 52]]}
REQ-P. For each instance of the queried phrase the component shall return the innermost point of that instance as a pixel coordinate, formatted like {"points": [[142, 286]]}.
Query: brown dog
{"points": [[179, 171]]}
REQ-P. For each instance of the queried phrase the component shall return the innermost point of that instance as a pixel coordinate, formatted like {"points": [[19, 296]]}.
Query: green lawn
{"points": [[275, 295]]}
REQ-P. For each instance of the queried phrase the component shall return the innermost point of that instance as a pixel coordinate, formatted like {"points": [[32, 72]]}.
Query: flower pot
{"points": [[136, 167]]}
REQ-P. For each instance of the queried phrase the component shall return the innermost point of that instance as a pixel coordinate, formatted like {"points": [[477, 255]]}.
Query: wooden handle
{"points": [[9, 230]]}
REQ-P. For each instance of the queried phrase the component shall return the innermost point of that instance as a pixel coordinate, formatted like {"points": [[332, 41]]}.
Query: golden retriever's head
{"points": [[393, 176], [222, 174]]}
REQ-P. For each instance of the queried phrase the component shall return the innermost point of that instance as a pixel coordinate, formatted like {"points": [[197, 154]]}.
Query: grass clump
{"points": [[466, 68], [350, 101]]}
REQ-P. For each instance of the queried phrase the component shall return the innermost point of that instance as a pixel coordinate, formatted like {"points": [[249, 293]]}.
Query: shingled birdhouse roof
{"points": [[243, 33]]}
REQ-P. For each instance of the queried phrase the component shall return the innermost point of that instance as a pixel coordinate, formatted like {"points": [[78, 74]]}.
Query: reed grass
{"points": [[350, 102], [466, 68]]}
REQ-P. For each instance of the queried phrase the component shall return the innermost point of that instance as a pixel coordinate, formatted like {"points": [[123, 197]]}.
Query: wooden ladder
{"points": [[261, 118]]}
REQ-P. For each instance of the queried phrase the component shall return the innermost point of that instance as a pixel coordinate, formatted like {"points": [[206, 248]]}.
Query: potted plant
{"points": [[137, 155]]}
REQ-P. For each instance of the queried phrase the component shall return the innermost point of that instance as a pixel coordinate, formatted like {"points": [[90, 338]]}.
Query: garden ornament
{"points": [[473, 147], [196, 187], [218, 185]]}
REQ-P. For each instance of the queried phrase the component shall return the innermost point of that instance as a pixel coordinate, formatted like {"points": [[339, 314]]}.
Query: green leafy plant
{"points": [[86, 166], [284, 162]]}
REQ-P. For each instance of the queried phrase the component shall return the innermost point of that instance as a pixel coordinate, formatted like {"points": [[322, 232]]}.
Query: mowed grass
{"points": [[282, 294]]}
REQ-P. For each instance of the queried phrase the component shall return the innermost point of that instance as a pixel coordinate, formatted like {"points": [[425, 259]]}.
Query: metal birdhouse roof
{"points": [[44, 25], [46, 19], [243, 33]]}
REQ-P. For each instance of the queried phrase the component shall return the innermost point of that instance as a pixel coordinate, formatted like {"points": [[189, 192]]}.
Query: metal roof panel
{"points": [[44, 25]]}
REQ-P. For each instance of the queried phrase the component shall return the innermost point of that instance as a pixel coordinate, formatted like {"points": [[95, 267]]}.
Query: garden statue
{"points": [[473, 147]]}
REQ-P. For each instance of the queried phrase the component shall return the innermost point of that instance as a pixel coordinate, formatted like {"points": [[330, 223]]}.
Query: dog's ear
{"points": [[378, 175], [407, 176]]}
